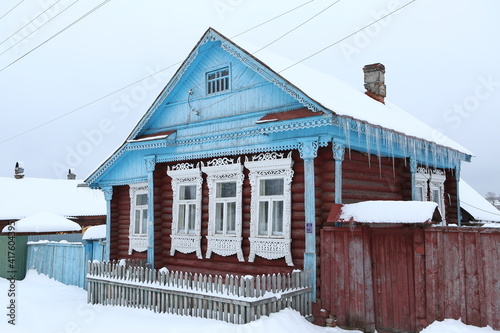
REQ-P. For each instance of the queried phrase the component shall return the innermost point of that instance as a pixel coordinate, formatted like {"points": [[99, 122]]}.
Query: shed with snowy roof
{"points": [[235, 167]]}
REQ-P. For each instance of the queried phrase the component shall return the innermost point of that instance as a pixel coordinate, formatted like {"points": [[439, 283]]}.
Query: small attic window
{"points": [[218, 80]]}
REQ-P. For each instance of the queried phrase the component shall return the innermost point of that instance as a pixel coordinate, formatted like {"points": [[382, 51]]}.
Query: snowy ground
{"points": [[43, 305]]}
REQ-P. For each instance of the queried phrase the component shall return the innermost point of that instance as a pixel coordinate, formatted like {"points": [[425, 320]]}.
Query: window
{"points": [[186, 208], [225, 180], [225, 208], [217, 80], [270, 222], [138, 234], [271, 207], [429, 185]]}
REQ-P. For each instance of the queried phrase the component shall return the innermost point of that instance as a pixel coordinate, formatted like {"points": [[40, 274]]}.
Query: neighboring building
{"points": [[475, 208], [23, 197], [236, 165]]}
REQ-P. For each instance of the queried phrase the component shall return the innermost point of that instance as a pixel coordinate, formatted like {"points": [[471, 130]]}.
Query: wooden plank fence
{"points": [[403, 279], [234, 299]]}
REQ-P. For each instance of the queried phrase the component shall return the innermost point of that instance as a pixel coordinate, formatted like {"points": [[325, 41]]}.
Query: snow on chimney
{"points": [[19, 170], [71, 175], [375, 81]]}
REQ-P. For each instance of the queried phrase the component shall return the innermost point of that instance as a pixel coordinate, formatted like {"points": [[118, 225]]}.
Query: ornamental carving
{"points": [[137, 243], [186, 174], [266, 166], [221, 170]]}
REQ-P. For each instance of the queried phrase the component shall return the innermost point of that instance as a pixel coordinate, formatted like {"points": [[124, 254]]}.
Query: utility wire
{"points": [[125, 87], [272, 19], [62, 11], [300, 25], [58, 33], [11, 9], [348, 36], [487, 211]]}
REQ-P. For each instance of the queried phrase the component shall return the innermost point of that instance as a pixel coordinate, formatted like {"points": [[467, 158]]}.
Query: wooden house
{"points": [[25, 196], [236, 165]]}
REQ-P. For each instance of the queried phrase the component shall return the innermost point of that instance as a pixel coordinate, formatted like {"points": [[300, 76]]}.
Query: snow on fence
{"points": [[232, 299]]}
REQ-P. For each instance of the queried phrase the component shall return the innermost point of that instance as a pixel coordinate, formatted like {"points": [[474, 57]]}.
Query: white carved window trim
{"points": [[429, 181], [137, 241], [185, 174], [224, 170], [270, 166]]}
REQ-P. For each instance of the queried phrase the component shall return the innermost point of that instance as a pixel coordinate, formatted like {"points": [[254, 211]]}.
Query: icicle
{"points": [[368, 144], [377, 144]]}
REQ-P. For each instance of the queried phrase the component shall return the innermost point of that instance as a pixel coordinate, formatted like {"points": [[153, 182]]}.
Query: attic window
{"points": [[218, 80]]}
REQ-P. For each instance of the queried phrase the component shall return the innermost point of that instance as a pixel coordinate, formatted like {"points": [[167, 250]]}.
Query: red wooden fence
{"points": [[403, 279]]}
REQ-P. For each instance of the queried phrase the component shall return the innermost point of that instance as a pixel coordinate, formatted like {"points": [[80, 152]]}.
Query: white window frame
{"points": [[428, 181], [224, 170], [262, 167], [137, 241], [185, 174], [220, 83]]}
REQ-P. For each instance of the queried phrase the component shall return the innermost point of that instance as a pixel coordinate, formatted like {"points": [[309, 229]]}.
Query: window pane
{"points": [[435, 196], [272, 186], [144, 221], [226, 190], [263, 214], [181, 228], [137, 222], [231, 217], [419, 193], [187, 192], [278, 218], [219, 217], [141, 199], [191, 217]]}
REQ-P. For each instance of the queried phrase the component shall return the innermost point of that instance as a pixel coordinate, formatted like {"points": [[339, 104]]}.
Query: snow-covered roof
{"points": [[476, 205], [24, 197], [378, 211], [95, 232], [345, 100], [43, 222]]}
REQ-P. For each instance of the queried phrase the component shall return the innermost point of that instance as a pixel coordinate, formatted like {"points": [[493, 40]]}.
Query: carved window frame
{"points": [[270, 166], [218, 80], [186, 174], [218, 171], [430, 181], [137, 241]]}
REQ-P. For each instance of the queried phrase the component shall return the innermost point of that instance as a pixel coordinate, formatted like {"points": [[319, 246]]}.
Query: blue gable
{"points": [[188, 121]]}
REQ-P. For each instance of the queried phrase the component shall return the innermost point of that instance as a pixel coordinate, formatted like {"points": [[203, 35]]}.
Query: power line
{"points": [[300, 25], [58, 33], [36, 28], [486, 211], [122, 88], [348, 36], [11, 9], [272, 19]]}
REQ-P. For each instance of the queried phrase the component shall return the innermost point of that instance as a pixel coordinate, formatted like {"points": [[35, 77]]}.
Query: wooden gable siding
{"points": [[249, 91]]}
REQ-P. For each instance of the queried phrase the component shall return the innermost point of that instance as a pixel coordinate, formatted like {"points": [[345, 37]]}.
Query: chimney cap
{"points": [[374, 67]]}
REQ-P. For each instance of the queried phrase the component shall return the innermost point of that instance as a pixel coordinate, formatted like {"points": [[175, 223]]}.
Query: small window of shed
{"points": [[218, 80]]}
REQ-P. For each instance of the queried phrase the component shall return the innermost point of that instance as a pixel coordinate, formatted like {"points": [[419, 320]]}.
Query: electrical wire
{"points": [[300, 25], [140, 80], [486, 211], [348, 36], [19, 41], [11, 9], [58, 33]]}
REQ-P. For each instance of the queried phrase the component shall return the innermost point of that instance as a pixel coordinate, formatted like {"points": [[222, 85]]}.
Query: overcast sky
{"points": [[73, 85]]}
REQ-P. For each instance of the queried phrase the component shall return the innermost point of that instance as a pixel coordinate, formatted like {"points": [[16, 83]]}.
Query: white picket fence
{"points": [[233, 299]]}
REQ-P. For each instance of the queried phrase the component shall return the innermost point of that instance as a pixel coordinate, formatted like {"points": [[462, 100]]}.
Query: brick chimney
{"points": [[71, 175], [19, 170], [375, 81]]}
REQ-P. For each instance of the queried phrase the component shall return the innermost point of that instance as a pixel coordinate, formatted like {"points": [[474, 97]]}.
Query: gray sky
{"points": [[61, 105]]}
